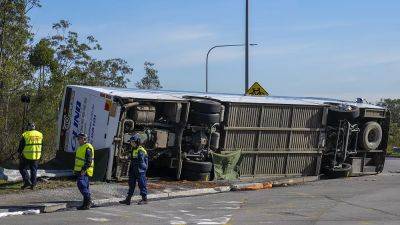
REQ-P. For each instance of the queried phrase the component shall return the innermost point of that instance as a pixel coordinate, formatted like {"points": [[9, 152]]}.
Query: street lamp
{"points": [[218, 46]]}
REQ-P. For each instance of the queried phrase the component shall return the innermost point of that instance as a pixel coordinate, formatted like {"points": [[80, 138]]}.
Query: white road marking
{"points": [[219, 220], [228, 202], [229, 207], [18, 213], [98, 219], [153, 216], [183, 211], [177, 222], [106, 213], [119, 209]]}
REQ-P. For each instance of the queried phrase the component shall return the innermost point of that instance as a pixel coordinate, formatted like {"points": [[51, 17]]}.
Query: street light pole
{"points": [[208, 53], [247, 49]]}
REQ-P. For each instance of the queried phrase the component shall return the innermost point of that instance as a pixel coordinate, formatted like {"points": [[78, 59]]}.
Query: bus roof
{"points": [[146, 94]]}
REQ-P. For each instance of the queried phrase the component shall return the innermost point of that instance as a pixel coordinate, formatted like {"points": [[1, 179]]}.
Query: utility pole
{"points": [[247, 49]]}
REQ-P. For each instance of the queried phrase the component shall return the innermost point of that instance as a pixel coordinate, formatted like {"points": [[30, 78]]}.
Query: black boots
{"points": [[87, 203], [25, 186], [143, 201], [127, 200]]}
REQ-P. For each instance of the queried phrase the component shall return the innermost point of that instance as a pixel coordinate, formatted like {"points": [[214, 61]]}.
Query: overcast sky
{"points": [[339, 48]]}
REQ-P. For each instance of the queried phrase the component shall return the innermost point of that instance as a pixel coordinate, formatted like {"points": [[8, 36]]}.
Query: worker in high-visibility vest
{"points": [[84, 165], [137, 170], [30, 151]]}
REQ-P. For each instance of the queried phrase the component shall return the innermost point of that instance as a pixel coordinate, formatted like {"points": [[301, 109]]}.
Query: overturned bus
{"points": [[276, 136]]}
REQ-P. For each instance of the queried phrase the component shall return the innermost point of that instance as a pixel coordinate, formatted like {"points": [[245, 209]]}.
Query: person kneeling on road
{"points": [[137, 170], [84, 163]]}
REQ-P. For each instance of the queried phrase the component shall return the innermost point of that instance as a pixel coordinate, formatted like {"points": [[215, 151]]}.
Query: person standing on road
{"points": [[137, 170], [84, 164], [30, 151]]}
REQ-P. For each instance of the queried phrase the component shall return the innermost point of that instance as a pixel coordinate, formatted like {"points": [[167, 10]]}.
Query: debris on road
{"points": [[14, 175]]}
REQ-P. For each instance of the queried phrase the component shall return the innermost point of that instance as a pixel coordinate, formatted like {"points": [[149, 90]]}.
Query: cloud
{"points": [[198, 57], [228, 54], [360, 59], [187, 33], [283, 49], [320, 26]]}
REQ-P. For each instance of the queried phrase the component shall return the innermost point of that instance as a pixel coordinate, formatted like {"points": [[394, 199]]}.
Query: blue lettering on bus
{"points": [[76, 124]]}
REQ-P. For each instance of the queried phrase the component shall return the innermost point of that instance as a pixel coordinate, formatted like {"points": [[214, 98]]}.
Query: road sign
{"points": [[257, 90]]}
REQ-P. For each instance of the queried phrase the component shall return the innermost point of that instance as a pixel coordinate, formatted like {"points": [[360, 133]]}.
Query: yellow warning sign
{"points": [[257, 90]]}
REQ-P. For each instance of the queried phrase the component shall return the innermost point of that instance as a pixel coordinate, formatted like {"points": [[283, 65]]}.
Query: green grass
{"points": [[15, 187], [394, 154]]}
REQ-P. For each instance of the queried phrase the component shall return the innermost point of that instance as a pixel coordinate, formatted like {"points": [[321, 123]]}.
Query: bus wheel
{"points": [[199, 167], [371, 136], [205, 106], [345, 171], [195, 176]]}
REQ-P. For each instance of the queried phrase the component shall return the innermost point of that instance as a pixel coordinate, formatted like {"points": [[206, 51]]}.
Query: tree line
{"points": [[41, 69], [394, 131]]}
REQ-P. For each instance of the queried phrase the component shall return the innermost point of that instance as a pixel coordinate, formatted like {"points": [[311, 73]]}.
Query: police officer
{"points": [[84, 163], [137, 170], [30, 150]]}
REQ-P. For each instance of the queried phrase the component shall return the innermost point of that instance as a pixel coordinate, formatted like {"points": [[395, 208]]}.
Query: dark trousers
{"points": [[32, 165], [82, 182], [140, 178]]}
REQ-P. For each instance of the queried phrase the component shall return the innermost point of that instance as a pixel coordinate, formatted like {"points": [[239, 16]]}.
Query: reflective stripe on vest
{"points": [[135, 152], [80, 156], [33, 145]]}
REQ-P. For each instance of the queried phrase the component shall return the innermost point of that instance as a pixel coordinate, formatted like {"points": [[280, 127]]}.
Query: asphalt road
{"points": [[359, 200]]}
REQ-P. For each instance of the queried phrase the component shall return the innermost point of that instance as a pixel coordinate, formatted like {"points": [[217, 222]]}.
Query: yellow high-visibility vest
{"points": [[33, 145], [135, 152], [80, 156]]}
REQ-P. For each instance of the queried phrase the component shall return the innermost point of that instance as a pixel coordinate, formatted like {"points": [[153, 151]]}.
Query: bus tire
{"points": [[371, 135], [345, 171], [204, 118], [205, 106], [198, 167], [195, 176]]}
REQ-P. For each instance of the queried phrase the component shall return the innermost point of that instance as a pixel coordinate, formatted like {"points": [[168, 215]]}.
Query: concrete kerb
{"points": [[278, 183], [293, 181], [166, 195], [52, 207]]}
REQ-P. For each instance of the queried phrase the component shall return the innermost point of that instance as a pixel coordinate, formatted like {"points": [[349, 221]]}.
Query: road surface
{"points": [[361, 200]]}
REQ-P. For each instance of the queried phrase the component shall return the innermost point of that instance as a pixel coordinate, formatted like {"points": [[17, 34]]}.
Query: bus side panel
{"points": [[112, 124], [66, 119], [83, 111]]}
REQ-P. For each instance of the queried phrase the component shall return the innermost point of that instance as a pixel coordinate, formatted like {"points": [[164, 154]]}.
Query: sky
{"points": [[340, 49]]}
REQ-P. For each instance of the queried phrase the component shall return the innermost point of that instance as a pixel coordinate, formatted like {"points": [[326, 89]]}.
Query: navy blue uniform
{"points": [[137, 171]]}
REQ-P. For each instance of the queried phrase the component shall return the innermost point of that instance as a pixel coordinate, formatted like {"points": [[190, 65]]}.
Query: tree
{"points": [[394, 132], [42, 58], [68, 60], [150, 79], [15, 70], [42, 70], [394, 107], [77, 66]]}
